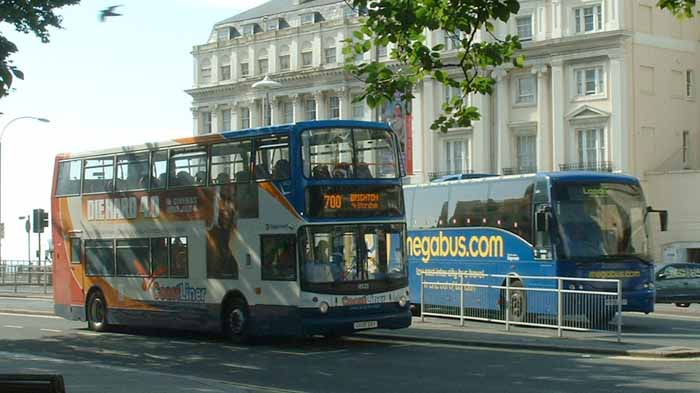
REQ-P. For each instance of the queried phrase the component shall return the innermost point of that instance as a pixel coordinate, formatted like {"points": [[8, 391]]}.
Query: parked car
{"points": [[678, 283]]}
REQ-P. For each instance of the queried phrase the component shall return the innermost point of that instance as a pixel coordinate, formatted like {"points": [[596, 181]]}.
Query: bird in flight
{"points": [[109, 11]]}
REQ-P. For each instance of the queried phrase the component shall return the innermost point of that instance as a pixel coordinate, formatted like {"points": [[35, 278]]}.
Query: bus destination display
{"points": [[346, 201]]}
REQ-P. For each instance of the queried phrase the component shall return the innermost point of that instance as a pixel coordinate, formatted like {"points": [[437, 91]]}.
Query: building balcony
{"points": [[597, 166], [519, 170]]}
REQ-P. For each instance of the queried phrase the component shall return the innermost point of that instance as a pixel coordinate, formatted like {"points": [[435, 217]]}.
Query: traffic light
{"points": [[40, 220]]}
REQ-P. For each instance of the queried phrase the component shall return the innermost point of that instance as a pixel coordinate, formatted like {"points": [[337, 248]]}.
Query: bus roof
{"points": [[220, 137], [564, 176]]}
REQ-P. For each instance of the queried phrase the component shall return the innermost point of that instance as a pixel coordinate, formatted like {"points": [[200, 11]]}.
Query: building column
{"points": [[503, 155], [544, 146], [618, 130], [296, 107], [428, 137], [321, 106], [559, 128], [557, 19], [235, 122], [417, 147], [345, 104], [255, 115], [481, 143], [195, 120], [214, 110]]}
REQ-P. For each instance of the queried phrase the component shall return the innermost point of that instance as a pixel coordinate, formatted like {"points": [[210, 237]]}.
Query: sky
{"points": [[101, 85]]}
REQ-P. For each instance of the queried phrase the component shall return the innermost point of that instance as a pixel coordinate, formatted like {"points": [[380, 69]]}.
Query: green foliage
{"points": [[681, 8], [403, 23], [34, 16]]}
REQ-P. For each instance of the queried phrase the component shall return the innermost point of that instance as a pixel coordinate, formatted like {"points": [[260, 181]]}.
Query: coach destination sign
{"points": [[354, 201]]}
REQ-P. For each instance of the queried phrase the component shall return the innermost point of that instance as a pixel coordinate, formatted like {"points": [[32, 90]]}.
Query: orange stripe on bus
{"points": [[275, 192], [200, 139]]}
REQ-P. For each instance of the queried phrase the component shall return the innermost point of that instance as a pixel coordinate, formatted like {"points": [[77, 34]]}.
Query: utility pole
{"points": [[27, 228]]}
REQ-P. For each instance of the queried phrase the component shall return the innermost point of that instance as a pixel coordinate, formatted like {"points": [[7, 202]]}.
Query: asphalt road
{"points": [[161, 361]]}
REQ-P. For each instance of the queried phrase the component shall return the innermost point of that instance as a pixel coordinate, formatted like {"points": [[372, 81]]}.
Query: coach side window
{"points": [[159, 169], [98, 175], [75, 250], [69, 173], [272, 158], [133, 258], [178, 257], [510, 207], [433, 214], [99, 256], [230, 162], [188, 167], [159, 257], [132, 172], [468, 205]]}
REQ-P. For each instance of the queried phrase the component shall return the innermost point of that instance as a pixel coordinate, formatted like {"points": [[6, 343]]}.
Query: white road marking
{"points": [[13, 314], [642, 359], [308, 353], [182, 343], [245, 367], [88, 334], [13, 327], [51, 330]]}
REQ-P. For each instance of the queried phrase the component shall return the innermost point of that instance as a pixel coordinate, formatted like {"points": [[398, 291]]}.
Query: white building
{"points": [[608, 85]]}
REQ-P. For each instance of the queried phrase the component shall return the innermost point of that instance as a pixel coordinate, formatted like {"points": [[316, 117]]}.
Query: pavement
{"points": [[639, 339]]}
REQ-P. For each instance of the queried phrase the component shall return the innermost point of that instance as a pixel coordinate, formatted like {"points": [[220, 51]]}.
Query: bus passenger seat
{"points": [[362, 171], [242, 176], [200, 178], [261, 172], [222, 178], [281, 170], [321, 172]]}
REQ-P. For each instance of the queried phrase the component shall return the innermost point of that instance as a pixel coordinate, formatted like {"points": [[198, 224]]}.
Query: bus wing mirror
{"points": [[663, 217]]}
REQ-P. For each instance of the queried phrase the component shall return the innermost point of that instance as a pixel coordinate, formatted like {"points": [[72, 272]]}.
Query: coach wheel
{"points": [[97, 312], [415, 310], [236, 321], [684, 305], [517, 302]]}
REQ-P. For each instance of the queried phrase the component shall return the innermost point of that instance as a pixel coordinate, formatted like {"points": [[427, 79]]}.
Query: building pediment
{"points": [[586, 113]]}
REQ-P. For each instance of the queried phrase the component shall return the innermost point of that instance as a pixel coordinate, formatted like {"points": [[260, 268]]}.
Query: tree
{"points": [[27, 16], [403, 24], [682, 8]]}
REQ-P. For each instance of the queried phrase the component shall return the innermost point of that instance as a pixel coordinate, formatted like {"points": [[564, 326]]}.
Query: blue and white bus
{"points": [[564, 224]]}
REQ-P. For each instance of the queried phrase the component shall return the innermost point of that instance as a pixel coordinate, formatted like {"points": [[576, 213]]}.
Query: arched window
{"points": [[284, 59], [205, 71], [224, 68], [263, 67], [307, 54]]}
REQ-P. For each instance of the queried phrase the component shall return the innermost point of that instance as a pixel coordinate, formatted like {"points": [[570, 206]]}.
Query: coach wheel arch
{"points": [[517, 301]]}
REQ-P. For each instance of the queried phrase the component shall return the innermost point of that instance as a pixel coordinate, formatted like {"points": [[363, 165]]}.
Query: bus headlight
{"points": [[403, 301], [649, 285], [323, 307]]}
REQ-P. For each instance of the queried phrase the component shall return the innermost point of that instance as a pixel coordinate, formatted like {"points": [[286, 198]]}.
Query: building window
{"points": [[526, 153], [333, 107], [689, 84], [245, 118], [452, 40], [450, 93], [381, 51], [310, 109], [262, 66], [248, 29], [330, 55], [287, 108], [456, 156], [588, 19], [226, 120], [686, 145], [590, 81], [273, 24], [205, 71], [591, 146], [225, 72], [358, 108], [308, 19], [223, 34], [284, 63], [524, 27], [244, 70], [206, 122], [307, 55], [525, 90]]}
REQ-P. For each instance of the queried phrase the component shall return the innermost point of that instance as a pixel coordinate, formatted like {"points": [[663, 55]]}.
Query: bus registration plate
{"points": [[365, 325]]}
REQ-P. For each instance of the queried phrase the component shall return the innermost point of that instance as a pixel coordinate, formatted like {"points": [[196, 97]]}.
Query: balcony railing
{"points": [[519, 170], [598, 166]]}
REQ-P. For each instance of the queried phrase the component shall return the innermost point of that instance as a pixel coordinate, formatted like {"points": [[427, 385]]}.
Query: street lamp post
{"points": [[28, 227], [2, 133], [267, 84]]}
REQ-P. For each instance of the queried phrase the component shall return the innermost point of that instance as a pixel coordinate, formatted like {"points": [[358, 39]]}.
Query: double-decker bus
{"points": [[563, 224], [286, 230]]}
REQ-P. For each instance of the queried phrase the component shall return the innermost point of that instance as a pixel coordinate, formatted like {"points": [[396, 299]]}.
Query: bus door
{"points": [[76, 293]]}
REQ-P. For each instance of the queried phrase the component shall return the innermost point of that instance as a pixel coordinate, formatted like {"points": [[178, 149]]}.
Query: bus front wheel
{"points": [[517, 302], [97, 312], [236, 321]]}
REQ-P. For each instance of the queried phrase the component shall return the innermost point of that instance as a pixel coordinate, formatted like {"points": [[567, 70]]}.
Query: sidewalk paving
{"points": [[473, 334]]}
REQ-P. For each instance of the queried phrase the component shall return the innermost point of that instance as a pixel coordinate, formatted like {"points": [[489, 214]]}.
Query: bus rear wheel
{"points": [[97, 312], [684, 305], [236, 321]]}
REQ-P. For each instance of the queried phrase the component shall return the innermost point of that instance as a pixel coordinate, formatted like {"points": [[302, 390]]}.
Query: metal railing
{"points": [[23, 274], [596, 166], [561, 303]]}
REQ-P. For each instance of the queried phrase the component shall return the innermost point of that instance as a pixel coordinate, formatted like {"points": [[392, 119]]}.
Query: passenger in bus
{"points": [[362, 171], [317, 268], [341, 170], [281, 170], [222, 178], [321, 172], [242, 176], [200, 178], [261, 172], [184, 179]]}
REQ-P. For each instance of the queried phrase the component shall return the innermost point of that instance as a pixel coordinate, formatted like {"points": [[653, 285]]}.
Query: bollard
{"points": [[507, 301], [461, 299], [560, 307], [422, 299]]}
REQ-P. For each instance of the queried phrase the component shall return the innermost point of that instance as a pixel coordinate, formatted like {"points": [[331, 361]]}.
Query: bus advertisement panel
{"points": [[217, 233]]}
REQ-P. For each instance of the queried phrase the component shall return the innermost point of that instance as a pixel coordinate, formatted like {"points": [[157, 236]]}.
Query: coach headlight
{"points": [[323, 307], [403, 301], [649, 285]]}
